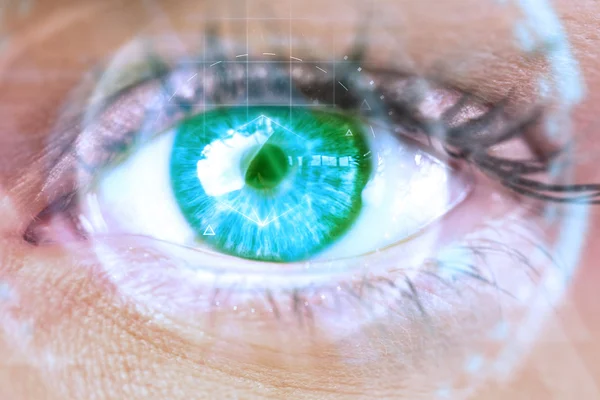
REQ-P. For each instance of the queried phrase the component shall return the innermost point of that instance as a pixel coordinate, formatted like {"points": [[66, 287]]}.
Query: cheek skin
{"points": [[79, 338], [562, 362], [61, 325]]}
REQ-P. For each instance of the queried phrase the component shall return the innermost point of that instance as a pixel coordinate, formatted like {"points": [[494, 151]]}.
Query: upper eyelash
{"points": [[463, 144], [462, 141], [475, 149], [318, 89]]}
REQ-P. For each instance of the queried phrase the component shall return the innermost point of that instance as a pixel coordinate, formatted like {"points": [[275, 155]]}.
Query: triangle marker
{"points": [[209, 231], [349, 133], [365, 106]]}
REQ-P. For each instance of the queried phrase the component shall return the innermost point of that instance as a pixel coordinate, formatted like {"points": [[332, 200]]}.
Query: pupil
{"points": [[268, 167]]}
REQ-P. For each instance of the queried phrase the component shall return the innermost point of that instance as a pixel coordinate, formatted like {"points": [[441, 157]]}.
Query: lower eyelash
{"points": [[310, 301]]}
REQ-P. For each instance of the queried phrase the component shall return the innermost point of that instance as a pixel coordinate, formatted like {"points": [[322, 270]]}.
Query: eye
{"points": [[291, 170], [276, 184], [200, 175]]}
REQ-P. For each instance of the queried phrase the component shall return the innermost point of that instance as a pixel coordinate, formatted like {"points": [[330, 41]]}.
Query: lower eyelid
{"points": [[143, 273]]}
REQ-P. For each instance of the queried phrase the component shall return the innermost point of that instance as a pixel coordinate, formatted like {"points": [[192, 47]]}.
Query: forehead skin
{"points": [[471, 44]]}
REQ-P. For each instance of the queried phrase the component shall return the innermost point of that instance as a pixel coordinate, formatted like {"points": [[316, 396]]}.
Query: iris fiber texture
{"points": [[273, 183]]}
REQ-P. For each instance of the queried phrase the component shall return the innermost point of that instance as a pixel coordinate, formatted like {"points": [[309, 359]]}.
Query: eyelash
{"points": [[312, 297], [462, 142]]}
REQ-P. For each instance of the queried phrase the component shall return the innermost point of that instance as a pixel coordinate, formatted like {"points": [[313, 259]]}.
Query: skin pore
{"points": [[68, 333]]}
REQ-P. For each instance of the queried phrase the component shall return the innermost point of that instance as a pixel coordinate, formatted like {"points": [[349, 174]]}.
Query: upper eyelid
{"points": [[156, 81], [154, 70], [153, 64]]}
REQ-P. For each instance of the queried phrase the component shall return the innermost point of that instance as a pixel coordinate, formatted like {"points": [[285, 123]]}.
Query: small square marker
{"points": [[359, 69]]}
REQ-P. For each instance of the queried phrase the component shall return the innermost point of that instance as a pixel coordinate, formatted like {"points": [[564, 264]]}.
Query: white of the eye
{"points": [[135, 197], [409, 190]]}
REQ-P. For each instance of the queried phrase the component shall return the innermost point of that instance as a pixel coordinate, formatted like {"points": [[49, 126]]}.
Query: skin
{"points": [[68, 332]]}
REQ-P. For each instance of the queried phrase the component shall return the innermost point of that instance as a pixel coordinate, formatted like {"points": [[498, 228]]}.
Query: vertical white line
{"points": [[247, 64], [291, 63], [334, 62], [204, 83]]}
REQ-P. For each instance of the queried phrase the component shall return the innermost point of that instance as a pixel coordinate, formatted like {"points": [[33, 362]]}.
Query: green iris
{"points": [[271, 183]]}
